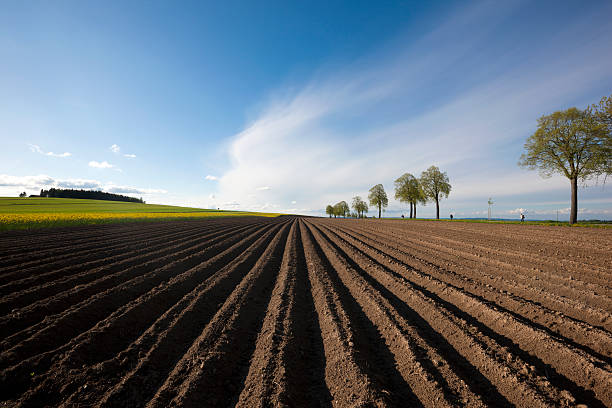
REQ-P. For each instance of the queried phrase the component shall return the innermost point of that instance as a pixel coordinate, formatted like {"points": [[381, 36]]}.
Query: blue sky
{"points": [[287, 106]]}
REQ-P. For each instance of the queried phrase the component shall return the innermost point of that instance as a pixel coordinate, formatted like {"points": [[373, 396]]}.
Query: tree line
{"points": [[88, 194], [576, 143], [432, 186]]}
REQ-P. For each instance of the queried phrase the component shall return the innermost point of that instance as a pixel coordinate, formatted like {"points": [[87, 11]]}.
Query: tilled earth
{"points": [[306, 312]]}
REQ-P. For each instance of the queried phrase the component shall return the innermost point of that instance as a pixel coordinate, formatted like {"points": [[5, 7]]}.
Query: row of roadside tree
{"points": [[432, 186]]}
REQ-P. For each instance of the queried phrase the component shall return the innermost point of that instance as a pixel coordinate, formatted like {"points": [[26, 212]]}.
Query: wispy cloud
{"points": [[45, 181], [101, 165], [263, 188], [115, 148], [37, 149], [211, 178]]}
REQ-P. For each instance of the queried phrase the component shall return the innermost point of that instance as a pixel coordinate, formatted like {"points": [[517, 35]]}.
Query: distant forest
{"points": [[88, 194]]}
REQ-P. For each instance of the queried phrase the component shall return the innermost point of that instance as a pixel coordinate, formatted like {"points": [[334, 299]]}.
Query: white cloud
{"points": [[231, 204], [100, 165], [115, 149], [294, 202], [44, 181], [36, 149], [211, 196], [130, 156], [211, 178], [263, 188]]}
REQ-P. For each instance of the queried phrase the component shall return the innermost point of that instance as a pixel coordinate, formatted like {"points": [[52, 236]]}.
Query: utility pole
{"points": [[490, 202]]}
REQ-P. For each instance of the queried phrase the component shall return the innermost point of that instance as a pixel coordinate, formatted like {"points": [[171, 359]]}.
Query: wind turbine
{"points": [[490, 202]]}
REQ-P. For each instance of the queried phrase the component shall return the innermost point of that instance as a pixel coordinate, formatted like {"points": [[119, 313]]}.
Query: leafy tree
{"points": [[408, 190], [329, 210], [435, 186], [378, 198], [359, 206], [603, 114], [572, 142], [24, 194], [341, 208]]}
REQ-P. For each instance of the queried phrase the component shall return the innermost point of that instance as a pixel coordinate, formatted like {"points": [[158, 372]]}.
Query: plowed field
{"points": [[306, 312]]}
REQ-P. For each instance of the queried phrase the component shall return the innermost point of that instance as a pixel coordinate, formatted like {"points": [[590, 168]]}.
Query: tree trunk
{"points": [[410, 209], [379, 209], [414, 210], [437, 208], [574, 209]]}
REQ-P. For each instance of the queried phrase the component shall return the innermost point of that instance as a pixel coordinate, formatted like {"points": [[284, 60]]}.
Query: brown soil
{"points": [[306, 312]]}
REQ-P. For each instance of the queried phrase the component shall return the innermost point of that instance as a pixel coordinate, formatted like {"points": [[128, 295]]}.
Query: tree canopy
{"points": [[341, 209], [575, 143], [359, 206], [435, 185], [329, 210], [378, 198], [408, 190]]}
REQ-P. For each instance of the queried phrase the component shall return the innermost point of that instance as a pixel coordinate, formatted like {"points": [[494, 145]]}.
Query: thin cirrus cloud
{"points": [[37, 149], [362, 126], [45, 181], [117, 150], [211, 178]]}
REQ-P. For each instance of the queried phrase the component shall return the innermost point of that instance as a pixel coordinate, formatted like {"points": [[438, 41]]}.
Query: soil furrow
{"points": [[32, 315], [52, 332], [84, 260], [306, 312], [51, 260], [559, 279], [288, 364], [65, 248], [458, 347], [39, 289], [217, 361], [586, 377], [349, 383], [589, 338], [166, 330]]}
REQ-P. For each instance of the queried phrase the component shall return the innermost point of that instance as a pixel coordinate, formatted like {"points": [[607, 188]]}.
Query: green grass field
{"points": [[36, 212]]}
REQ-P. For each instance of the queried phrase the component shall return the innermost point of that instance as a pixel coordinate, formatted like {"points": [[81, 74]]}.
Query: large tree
{"points": [[435, 186], [329, 210], [359, 206], [408, 190], [378, 198], [574, 143]]}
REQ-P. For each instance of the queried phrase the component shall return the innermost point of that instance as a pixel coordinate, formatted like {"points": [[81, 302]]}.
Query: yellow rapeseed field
{"points": [[15, 214]]}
